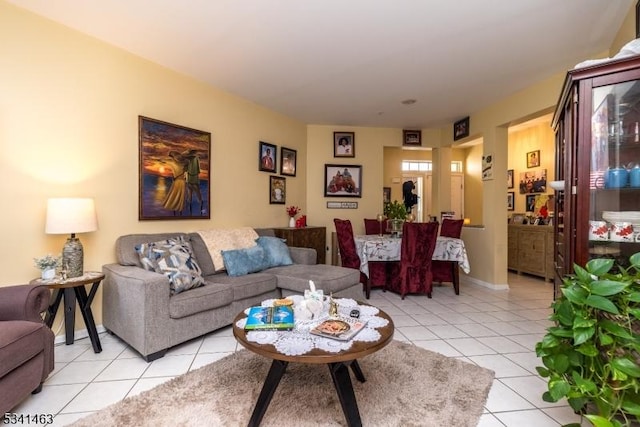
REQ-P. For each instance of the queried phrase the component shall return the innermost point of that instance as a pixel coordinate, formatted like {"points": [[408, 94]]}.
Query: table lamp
{"points": [[71, 216]]}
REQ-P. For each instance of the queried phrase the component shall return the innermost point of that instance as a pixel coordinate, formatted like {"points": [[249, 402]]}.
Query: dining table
{"points": [[386, 248]]}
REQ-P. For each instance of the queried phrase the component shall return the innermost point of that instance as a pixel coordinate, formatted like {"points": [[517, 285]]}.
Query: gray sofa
{"points": [[137, 305]]}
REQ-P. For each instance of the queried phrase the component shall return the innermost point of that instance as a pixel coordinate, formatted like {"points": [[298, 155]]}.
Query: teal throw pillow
{"points": [[173, 258], [276, 251], [239, 262]]}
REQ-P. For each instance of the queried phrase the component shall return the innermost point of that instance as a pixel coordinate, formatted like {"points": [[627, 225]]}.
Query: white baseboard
{"points": [[78, 335], [478, 282]]}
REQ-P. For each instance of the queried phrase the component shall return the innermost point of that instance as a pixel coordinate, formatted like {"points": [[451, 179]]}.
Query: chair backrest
{"points": [[372, 226], [346, 243], [418, 243], [451, 228]]}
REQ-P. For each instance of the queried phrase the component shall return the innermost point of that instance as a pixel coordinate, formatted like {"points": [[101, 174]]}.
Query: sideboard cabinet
{"points": [[596, 123], [306, 237], [530, 250]]}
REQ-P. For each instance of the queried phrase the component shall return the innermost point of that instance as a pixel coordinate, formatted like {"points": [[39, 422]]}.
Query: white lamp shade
{"points": [[71, 215]]}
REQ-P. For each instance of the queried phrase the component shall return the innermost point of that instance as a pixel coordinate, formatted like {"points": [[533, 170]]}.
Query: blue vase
{"points": [[634, 176], [616, 178]]}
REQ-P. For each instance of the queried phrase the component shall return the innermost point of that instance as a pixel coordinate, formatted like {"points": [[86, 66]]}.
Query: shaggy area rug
{"points": [[406, 386]]}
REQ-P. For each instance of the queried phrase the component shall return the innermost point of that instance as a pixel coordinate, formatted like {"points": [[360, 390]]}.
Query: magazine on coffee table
{"points": [[339, 328], [278, 318]]}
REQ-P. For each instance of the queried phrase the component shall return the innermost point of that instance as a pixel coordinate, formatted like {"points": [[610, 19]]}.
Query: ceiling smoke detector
{"points": [[408, 102]]}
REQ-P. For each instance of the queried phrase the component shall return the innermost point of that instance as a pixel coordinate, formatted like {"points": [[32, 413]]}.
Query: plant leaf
{"points": [[558, 389], [635, 260], [575, 295], [601, 303], [616, 329], [631, 407], [634, 297], [599, 266], [598, 421], [607, 287], [588, 349], [627, 366], [582, 275]]}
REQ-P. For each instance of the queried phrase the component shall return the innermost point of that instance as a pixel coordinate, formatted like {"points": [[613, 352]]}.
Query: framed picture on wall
{"points": [[511, 201], [342, 181], [267, 157], [412, 138], [510, 178], [174, 171], [530, 202], [277, 190], [461, 129], [533, 159], [288, 159], [386, 194], [344, 144], [533, 182]]}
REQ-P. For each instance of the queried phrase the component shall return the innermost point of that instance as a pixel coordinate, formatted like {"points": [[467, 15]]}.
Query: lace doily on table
{"points": [[301, 341]]}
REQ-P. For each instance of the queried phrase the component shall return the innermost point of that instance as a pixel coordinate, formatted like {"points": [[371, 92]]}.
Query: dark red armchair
{"points": [[26, 343], [446, 271], [377, 269], [416, 251], [348, 254]]}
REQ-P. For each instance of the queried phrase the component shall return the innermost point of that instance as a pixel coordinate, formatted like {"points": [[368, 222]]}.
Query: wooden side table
{"points": [[72, 289], [306, 237]]}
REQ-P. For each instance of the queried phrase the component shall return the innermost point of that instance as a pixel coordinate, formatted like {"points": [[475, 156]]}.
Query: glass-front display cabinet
{"points": [[597, 207]]}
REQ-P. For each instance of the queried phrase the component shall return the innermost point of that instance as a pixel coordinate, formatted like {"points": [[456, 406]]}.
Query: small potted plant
{"points": [[397, 213], [47, 265], [292, 211], [591, 355]]}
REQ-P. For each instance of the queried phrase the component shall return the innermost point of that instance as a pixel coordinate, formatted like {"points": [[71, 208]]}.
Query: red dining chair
{"points": [[348, 254], [416, 250], [377, 269], [445, 271]]}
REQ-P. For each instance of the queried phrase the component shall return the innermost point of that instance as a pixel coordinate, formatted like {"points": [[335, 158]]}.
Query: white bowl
{"points": [[557, 185]]}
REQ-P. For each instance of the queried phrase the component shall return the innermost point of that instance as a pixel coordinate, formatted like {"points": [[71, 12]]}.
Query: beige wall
{"points": [[69, 127], [473, 189], [538, 137]]}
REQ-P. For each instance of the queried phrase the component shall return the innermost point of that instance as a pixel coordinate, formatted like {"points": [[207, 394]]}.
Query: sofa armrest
{"points": [[307, 256], [135, 306], [24, 302]]}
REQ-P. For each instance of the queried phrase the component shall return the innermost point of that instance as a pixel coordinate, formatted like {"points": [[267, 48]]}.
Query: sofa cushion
{"points": [[239, 262], [218, 240], [173, 258], [20, 340], [276, 251], [246, 286], [204, 298], [329, 278]]}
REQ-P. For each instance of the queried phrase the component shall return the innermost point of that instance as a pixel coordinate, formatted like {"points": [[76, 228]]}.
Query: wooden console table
{"points": [[307, 237]]}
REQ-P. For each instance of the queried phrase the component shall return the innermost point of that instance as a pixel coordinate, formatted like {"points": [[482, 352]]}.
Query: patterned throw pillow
{"points": [[173, 258]]}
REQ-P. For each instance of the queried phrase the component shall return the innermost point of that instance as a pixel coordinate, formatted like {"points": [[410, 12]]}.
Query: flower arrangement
{"points": [[47, 262], [293, 211]]}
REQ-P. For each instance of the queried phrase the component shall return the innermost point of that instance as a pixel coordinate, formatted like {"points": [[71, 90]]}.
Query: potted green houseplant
{"points": [[591, 355], [396, 212], [47, 265]]}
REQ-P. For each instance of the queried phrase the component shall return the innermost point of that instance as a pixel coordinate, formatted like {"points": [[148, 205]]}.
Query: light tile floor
{"points": [[494, 329]]}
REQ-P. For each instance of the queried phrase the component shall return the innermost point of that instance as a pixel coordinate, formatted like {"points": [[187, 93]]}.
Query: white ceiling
{"points": [[352, 62]]}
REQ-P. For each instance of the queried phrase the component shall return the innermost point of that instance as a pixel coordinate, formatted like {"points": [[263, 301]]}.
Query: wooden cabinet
{"points": [[307, 237], [597, 122], [531, 250]]}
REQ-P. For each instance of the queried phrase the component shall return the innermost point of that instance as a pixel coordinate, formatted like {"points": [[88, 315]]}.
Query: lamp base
{"points": [[72, 257]]}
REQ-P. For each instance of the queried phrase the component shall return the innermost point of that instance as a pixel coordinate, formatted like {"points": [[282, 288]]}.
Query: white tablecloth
{"points": [[386, 248]]}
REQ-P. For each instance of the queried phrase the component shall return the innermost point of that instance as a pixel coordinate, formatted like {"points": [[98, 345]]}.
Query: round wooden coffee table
{"points": [[338, 364]]}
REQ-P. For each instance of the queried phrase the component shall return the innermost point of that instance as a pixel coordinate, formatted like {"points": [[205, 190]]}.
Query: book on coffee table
{"points": [[339, 328], [278, 318]]}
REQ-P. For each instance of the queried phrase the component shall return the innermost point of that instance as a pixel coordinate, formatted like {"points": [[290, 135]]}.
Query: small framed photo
{"points": [[461, 129], [344, 144], [412, 137], [530, 202], [288, 160], [533, 159], [277, 190], [267, 157], [510, 178], [342, 181], [511, 201], [386, 194]]}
